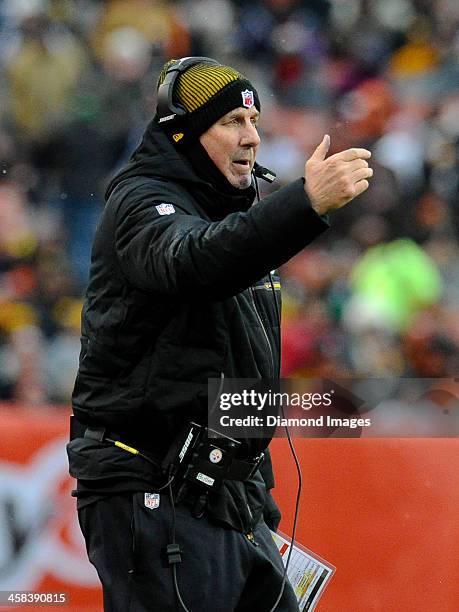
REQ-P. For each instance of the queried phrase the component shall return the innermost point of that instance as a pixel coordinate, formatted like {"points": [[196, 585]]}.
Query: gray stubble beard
{"points": [[247, 180]]}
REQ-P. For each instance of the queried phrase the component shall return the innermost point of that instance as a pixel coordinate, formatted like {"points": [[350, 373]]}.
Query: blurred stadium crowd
{"points": [[377, 295]]}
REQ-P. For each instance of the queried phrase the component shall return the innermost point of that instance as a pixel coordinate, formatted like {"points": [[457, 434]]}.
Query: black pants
{"points": [[221, 570]]}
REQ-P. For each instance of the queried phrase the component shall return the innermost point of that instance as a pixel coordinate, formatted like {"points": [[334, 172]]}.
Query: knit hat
{"points": [[207, 92]]}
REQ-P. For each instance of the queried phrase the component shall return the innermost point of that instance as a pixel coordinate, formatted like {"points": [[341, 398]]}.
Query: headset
{"points": [[167, 109]]}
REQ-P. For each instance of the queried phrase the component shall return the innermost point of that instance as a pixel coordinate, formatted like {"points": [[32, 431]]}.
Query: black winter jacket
{"points": [[179, 292]]}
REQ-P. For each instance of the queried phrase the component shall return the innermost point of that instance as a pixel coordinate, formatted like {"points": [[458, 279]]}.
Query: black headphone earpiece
{"points": [[167, 110]]}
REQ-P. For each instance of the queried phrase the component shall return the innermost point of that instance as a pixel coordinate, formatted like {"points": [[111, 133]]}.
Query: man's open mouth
{"points": [[245, 163]]}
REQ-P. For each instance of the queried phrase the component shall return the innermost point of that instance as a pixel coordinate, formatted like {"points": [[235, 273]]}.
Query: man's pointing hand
{"points": [[334, 181]]}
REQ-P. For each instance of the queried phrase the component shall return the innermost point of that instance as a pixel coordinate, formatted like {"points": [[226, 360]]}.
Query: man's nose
{"points": [[250, 136]]}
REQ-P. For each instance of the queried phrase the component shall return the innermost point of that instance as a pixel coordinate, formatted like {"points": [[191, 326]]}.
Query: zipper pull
{"points": [[251, 538], [249, 535]]}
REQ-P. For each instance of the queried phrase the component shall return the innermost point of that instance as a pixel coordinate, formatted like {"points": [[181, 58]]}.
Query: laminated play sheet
{"points": [[308, 573]]}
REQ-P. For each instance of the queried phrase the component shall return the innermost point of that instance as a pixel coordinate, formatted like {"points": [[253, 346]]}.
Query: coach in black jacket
{"points": [[183, 289]]}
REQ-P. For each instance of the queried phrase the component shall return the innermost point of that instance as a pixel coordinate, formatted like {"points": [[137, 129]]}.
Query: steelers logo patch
{"points": [[215, 455]]}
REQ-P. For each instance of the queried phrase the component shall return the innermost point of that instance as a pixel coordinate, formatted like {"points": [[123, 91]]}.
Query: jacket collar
{"points": [[156, 157]]}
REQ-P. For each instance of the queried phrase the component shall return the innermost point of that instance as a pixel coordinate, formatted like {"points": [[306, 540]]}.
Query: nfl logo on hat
{"points": [[247, 98]]}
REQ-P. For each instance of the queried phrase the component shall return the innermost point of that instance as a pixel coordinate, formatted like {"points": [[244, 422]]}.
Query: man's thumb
{"points": [[321, 152]]}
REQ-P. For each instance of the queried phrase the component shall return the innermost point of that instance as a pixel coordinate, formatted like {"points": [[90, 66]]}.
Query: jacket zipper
{"points": [[264, 330], [251, 538], [249, 535]]}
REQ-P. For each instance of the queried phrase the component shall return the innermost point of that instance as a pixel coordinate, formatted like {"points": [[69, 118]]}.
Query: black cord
{"points": [[176, 587], [256, 186], [295, 518], [297, 464], [219, 392], [173, 549], [174, 545], [278, 318], [135, 451]]}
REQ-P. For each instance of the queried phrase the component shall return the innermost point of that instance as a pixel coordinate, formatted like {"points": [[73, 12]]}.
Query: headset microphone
{"points": [[264, 173]]}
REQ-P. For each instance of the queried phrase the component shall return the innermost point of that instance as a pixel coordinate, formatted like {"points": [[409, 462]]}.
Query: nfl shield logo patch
{"points": [[151, 500], [165, 209], [247, 98]]}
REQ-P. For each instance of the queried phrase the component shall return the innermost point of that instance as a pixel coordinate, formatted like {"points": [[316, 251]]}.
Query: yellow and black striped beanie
{"points": [[207, 92]]}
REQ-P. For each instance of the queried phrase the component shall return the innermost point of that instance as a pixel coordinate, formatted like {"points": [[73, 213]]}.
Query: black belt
{"points": [[239, 469]]}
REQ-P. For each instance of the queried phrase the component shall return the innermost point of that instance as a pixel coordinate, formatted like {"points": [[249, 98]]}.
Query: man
{"points": [[177, 295]]}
